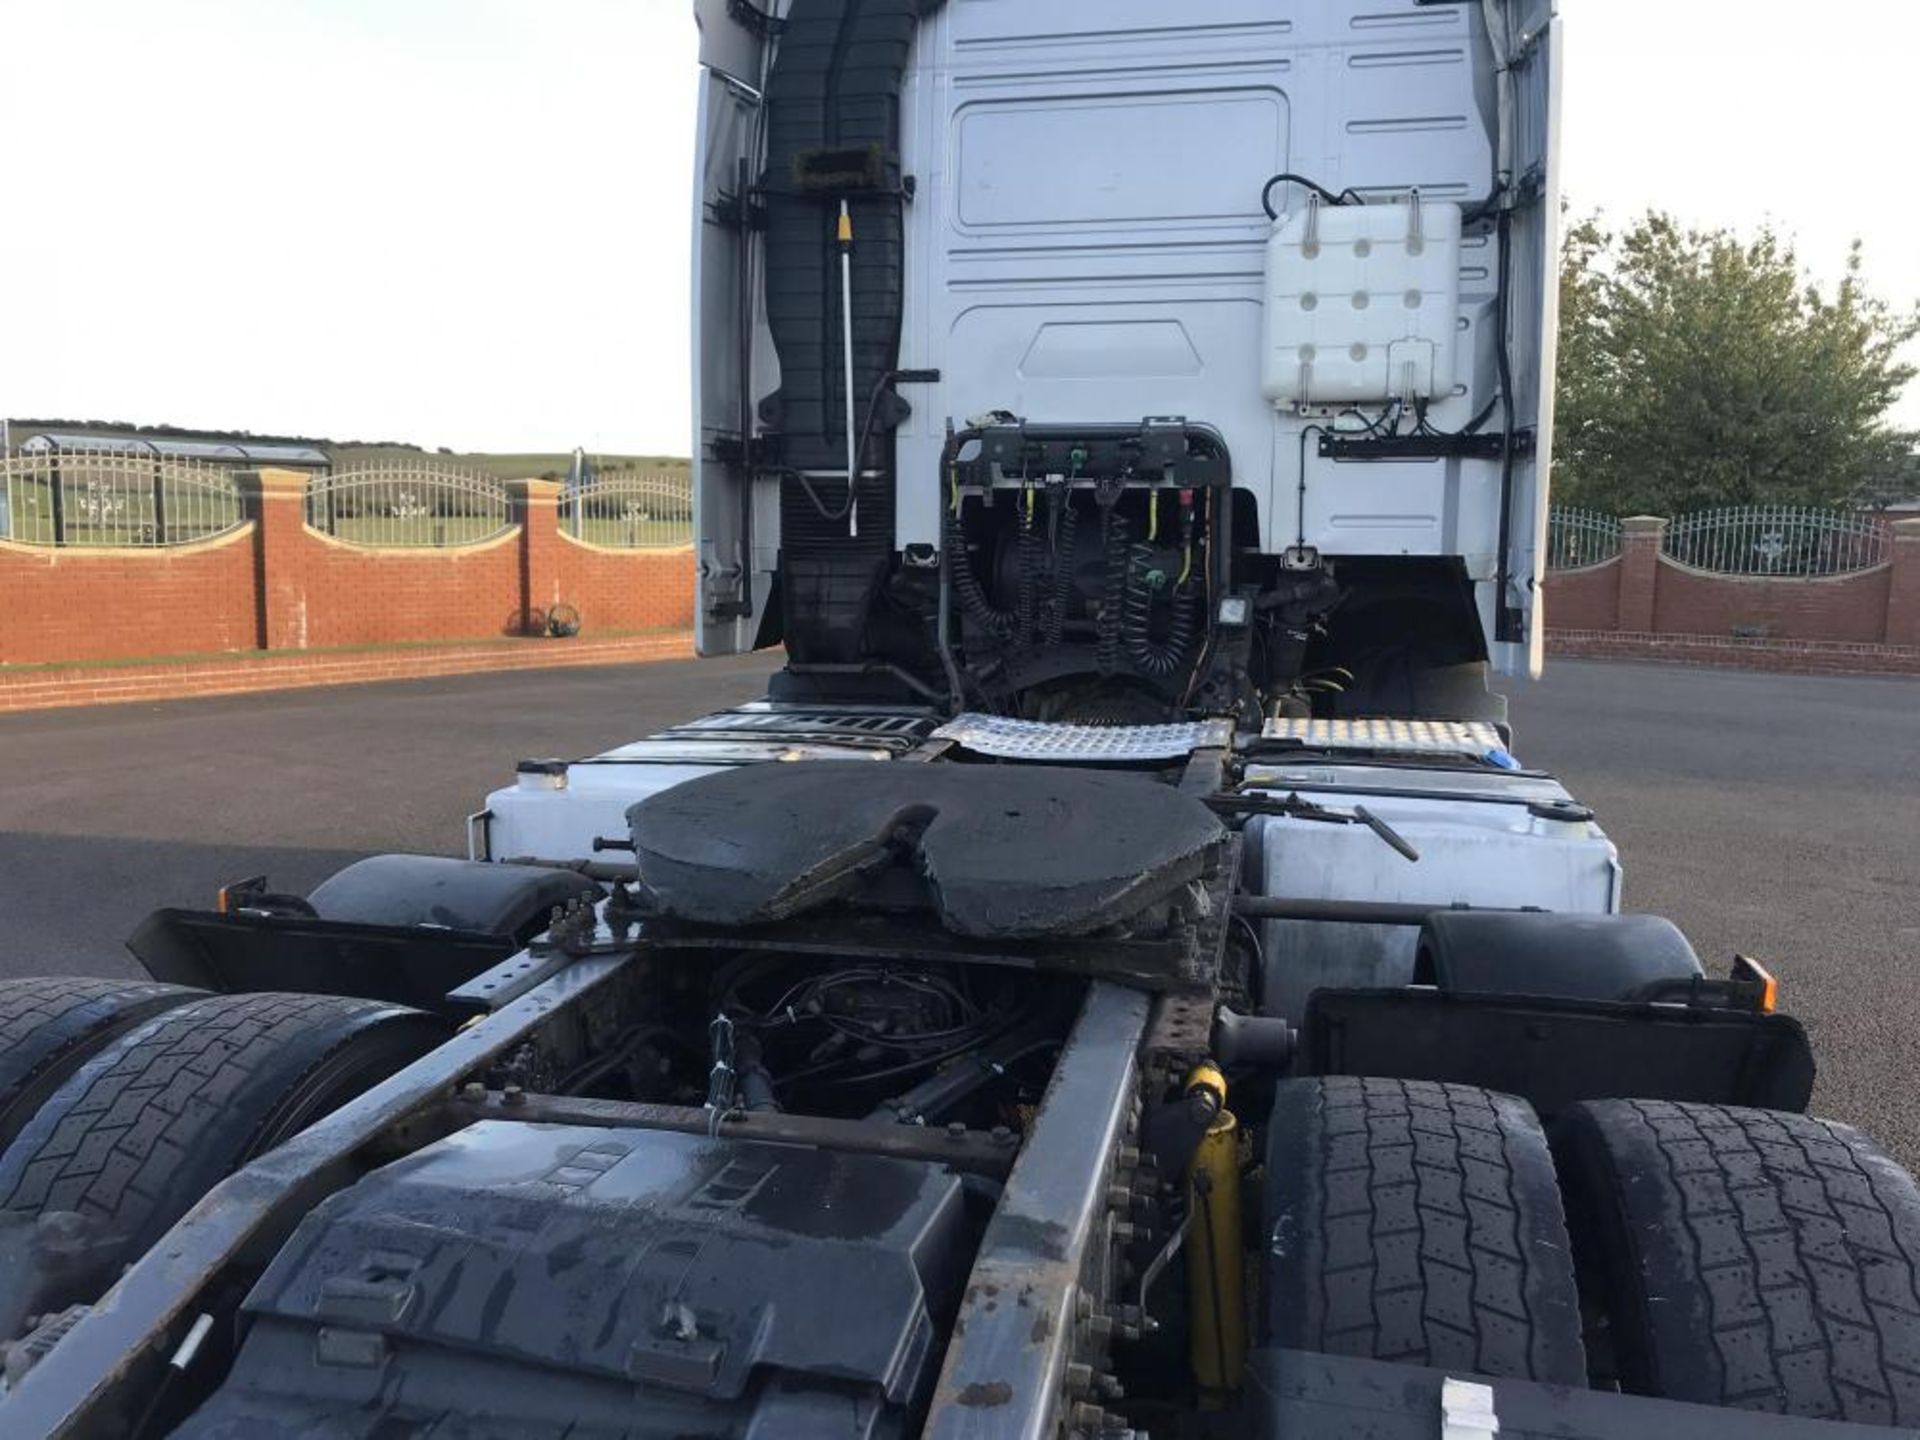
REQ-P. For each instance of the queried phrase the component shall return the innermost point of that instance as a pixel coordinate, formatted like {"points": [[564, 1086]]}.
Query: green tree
{"points": [[1698, 368], [1898, 484]]}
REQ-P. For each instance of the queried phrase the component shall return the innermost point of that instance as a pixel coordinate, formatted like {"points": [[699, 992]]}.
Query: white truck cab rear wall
{"points": [[1086, 242]]}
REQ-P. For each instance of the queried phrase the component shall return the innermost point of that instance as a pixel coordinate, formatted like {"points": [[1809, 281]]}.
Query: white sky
{"points": [[466, 222]]}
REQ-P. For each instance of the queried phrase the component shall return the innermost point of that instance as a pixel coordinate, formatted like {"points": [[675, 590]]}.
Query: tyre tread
{"points": [[1428, 1227], [1786, 1250], [50, 1024], [131, 1121]]}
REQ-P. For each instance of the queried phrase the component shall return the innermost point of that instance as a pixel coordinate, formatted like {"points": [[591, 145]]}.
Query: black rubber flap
{"points": [[1003, 852]]}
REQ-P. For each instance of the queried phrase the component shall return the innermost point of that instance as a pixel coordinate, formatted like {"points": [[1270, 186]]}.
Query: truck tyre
{"points": [[1420, 1223], [49, 1027], [1748, 1258], [141, 1131]]}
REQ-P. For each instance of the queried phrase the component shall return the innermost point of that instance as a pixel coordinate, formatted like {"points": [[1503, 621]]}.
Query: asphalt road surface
{"points": [[1778, 815]]}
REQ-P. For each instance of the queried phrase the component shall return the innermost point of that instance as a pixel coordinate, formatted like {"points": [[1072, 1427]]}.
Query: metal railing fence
{"points": [[401, 504], [114, 497], [630, 511], [1579, 538], [1791, 541]]}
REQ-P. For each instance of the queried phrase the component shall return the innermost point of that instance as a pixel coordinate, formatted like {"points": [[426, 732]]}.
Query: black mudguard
{"points": [[401, 928], [1553, 1053]]}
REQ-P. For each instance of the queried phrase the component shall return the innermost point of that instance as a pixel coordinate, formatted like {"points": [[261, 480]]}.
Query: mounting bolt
{"points": [[1119, 1197], [956, 1130], [1110, 1387], [473, 1091], [513, 1095], [1001, 1135], [1126, 1157], [1090, 1418], [1100, 1326], [1082, 1305], [1079, 1378]]}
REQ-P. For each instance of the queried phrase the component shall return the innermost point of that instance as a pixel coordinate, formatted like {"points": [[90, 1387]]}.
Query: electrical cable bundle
{"points": [[826, 1029]]}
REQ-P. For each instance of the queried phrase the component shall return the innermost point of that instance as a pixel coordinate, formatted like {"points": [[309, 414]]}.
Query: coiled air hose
{"points": [[1027, 595], [1066, 530], [1113, 599], [973, 597], [1161, 660]]}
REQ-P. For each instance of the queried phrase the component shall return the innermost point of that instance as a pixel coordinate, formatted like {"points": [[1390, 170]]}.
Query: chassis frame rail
{"points": [[1051, 1240]]}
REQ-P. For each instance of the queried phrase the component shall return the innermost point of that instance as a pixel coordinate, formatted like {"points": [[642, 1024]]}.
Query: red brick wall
{"points": [[120, 604], [1804, 657], [1645, 594], [1639, 571], [277, 585], [350, 596], [1847, 607], [1586, 599], [616, 590], [1903, 589]]}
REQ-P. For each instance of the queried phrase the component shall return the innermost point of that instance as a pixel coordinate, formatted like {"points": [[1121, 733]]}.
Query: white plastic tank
{"points": [[555, 810], [1362, 303], [1503, 842]]}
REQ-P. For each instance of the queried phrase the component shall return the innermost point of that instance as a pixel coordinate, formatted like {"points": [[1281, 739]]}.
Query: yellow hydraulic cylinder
{"points": [[1217, 1321]]}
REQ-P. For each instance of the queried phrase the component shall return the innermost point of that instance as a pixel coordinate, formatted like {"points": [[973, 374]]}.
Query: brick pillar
{"points": [[1903, 595], [1640, 537], [278, 502], [536, 505]]}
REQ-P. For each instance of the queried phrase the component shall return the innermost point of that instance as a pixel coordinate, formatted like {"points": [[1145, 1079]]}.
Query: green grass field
{"points": [[119, 510], [121, 514], [426, 531], [531, 465], [635, 534], [447, 530]]}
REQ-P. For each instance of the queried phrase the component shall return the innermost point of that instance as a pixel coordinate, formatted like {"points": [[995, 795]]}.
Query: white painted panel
{"points": [[1078, 362], [1107, 349], [1108, 23], [1141, 159]]}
